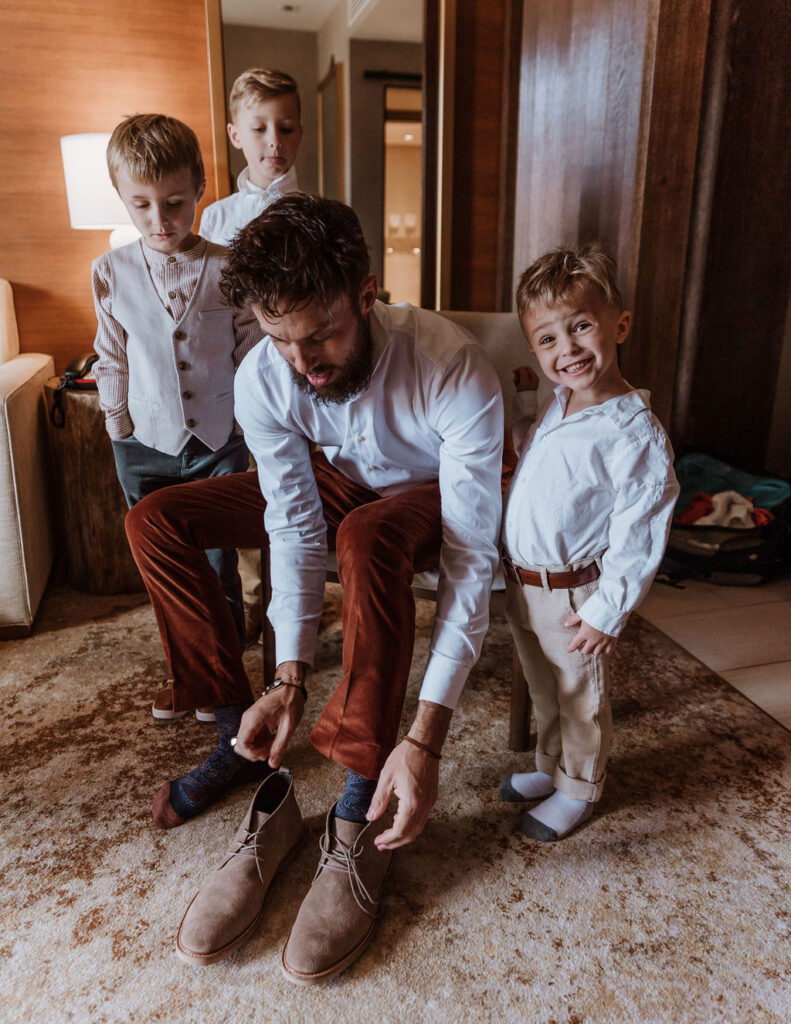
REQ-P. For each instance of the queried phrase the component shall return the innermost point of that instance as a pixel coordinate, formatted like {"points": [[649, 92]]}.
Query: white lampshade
{"points": [[94, 205]]}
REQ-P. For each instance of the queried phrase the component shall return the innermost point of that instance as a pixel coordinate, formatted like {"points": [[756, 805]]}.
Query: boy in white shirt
{"points": [[168, 343], [584, 527], [266, 124]]}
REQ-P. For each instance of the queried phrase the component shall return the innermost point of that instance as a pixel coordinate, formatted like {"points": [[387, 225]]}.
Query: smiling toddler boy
{"points": [[167, 341], [585, 525]]}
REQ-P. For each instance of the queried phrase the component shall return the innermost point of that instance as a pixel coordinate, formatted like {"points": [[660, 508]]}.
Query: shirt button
{"points": [[183, 366], [179, 335], [188, 394], [171, 259], [361, 437], [371, 469], [171, 295], [191, 423]]}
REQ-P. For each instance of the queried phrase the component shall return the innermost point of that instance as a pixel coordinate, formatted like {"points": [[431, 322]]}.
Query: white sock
{"points": [[533, 785], [561, 813]]}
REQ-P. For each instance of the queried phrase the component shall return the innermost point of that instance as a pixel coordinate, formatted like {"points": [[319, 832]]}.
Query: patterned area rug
{"points": [[671, 905]]}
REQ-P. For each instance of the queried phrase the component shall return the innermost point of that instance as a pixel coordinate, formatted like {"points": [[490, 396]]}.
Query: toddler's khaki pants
{"points": [[570, 692]]}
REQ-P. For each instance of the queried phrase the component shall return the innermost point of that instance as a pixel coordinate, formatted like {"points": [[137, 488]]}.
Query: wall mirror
{"points": [[345, 55]]}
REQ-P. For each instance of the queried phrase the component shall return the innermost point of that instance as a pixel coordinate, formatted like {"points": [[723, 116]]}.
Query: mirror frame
{"points": [[329, 96]]}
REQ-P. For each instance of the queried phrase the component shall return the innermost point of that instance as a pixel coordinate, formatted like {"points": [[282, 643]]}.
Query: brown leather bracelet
{"points": [[424, 748], [292, 681]]}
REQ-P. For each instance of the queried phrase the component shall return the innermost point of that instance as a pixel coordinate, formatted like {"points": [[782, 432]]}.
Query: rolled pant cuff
{"points": [[363, 758], [546, 763], [578, 789]]}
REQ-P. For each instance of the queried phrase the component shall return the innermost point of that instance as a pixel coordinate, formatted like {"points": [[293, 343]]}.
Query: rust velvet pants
{"points": [[380, 544]]}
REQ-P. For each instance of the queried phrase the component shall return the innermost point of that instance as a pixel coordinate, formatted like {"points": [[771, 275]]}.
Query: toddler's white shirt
{"points": [[222, 220], [600, 480]]}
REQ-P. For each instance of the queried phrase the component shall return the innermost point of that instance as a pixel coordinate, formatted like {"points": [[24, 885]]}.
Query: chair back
{"points": [[9, 335], [500, 335]]}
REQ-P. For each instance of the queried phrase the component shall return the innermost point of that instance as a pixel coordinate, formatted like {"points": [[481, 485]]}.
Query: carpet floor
{"points": [[672, 905]]}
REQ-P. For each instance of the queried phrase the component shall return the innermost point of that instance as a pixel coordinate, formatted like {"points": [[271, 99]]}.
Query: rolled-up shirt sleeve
{"points": [[294, 518], [467, 411], [638, 531]]}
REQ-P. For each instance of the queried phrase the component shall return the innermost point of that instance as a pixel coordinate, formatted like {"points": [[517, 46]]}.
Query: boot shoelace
{"points": [[247, 847], [344, 858]]}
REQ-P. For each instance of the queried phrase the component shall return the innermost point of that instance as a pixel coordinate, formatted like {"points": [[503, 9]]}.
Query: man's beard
{"points": [[353, 377]]}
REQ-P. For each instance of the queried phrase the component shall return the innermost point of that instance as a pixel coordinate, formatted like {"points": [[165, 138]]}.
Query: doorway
{"points": [[402, 228]]}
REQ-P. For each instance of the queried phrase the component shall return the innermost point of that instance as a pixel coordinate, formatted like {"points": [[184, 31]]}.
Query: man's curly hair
{"points": [[302, 249]]}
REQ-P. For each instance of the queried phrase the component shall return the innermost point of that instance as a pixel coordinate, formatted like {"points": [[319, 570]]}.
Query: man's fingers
{"points": [[280, 742], [380, 799], [406, 827]]}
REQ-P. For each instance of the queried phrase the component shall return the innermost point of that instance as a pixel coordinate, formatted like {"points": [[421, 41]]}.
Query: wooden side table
{"points": [[92, 504]]}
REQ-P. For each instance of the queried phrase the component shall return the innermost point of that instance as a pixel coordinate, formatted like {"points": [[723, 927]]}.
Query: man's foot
{"points": [[188, 795], [162, 708], [230, 905], [555, 818], [526, 786], [337, 918]]}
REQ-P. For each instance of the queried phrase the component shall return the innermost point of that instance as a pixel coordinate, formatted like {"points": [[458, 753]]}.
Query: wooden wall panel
{"points": [[581, 94], [68, 67], [673, 117], [481, 55], [745, 288]]}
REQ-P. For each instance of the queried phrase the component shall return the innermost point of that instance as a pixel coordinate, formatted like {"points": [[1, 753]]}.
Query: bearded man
{"points": [[407, 415]]}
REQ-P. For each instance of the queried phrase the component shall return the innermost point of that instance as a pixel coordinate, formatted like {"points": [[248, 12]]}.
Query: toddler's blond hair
{"points": [[556, 274]]}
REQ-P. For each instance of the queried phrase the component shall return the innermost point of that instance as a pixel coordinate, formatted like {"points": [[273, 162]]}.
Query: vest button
{"points": [[171, 295], [187, 394], [179, 335], [183, 366], [191, 423], [171, 259]]}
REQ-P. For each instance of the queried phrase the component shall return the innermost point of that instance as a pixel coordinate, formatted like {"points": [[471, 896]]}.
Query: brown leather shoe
{"points": [[337, 918], [229, 907]]}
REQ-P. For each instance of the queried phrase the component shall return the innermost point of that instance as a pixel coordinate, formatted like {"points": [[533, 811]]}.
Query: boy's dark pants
{"points": [[380, 543], [143, 470]]}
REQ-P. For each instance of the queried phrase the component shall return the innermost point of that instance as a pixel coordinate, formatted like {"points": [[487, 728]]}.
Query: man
{"points": [[408, 415]]}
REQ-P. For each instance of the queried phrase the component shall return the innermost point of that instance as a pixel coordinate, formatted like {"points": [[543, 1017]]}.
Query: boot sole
{"points": [[205, 959]]}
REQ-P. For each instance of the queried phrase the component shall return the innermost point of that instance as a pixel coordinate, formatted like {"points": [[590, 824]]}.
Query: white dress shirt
{"points": [[222, 220], [599, 482], [432, 411]]}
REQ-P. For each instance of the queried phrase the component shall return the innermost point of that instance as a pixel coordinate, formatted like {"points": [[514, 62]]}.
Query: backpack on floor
{"points": [[728, 555]]}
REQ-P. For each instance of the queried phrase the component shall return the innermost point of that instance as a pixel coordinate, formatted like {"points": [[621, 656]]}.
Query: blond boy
{"points": [[167, 341], [584, 527], [266, 124]]}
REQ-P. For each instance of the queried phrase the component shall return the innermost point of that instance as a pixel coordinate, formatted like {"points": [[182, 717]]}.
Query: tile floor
{"points": [[743, 633]]}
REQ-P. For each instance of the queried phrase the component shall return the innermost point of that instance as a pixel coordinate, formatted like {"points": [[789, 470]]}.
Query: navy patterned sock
{"points": [[355, 798], [192, 793]]}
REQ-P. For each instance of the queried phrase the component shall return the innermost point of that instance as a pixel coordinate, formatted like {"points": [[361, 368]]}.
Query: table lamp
{"points": [[94, 205]]}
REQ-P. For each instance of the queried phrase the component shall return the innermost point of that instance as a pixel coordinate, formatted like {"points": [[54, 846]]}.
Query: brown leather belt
{"points": [[556, 580]]}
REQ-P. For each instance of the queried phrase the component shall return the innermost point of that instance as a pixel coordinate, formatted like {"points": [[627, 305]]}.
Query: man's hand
{"points": [[413, 775], [525, 379], [589, 640], [267, 726]]}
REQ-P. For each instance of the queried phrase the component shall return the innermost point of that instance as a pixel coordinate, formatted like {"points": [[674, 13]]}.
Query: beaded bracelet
{"points": [[424, 748], [279, 681]]}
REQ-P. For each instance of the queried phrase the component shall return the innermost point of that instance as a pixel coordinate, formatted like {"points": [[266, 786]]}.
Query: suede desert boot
{"points": [[337, 918], [229, 907]]}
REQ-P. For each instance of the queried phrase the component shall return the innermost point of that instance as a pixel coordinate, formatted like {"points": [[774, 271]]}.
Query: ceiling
{"points": [[394, 20]]}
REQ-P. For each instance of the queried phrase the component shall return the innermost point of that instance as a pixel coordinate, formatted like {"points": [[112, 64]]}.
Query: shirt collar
{"points": [[154, 258], [279, 187], [621, 410]]}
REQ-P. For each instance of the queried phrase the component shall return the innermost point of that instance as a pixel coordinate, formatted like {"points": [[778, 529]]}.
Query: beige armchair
{"points": [[501, 336], [26, 538]]}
